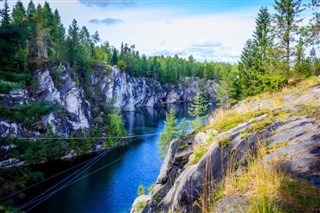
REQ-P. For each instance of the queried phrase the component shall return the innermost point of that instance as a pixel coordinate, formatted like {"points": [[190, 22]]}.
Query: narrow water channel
{"points": [[114, 188]]}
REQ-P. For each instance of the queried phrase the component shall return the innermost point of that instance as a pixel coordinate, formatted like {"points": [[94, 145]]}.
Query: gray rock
{"points": [[129, 93]]}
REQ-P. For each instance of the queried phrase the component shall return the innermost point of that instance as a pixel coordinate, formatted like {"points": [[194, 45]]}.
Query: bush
{"points": [[141, 190]]}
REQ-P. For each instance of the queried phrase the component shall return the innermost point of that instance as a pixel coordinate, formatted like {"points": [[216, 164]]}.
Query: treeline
{"points": [[281, 48], [164, 69], [35, 34]]}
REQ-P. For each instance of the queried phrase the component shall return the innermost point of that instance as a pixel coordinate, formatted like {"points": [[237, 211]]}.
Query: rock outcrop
{"points": [[61, 86], [129, 93], [290, 132]]}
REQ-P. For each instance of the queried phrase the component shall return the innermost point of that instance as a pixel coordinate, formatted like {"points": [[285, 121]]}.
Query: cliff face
{"points": [[60, 85], [287, 126], [129, 93]]}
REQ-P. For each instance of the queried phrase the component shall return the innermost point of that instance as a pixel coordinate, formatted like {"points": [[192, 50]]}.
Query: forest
{"points": [[284, 48]]}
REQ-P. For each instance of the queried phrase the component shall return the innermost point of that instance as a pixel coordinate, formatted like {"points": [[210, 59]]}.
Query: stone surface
{"points": [[293, 144], [129, 93]]}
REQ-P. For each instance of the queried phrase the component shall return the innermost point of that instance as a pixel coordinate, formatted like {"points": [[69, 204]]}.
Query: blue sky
{"points": [[215, 30]]}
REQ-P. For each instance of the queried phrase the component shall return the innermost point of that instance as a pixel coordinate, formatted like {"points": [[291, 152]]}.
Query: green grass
{"points": [[182, 146], [198, 153]]}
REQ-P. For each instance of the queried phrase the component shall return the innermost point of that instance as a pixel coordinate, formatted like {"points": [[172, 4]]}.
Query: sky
{"points": [[212, 30]]}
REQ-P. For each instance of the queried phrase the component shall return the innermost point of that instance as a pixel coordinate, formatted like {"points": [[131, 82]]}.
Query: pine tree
{"points": [[73, 41], [248, 69], [58, 37], [199, 106], [255, 60], [5, 14], [141, 190], [31, 31], [19, 21], [262, 38], [313, 29], [228, 91], [85, 49], [168, 134], [114, 60], [96, 37], [286, 26], [197, 109], [19, 15]]}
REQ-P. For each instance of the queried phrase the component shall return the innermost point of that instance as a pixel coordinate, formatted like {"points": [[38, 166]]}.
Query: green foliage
{"points": [[198, 153], [114, 128], [228, 91], [13, 179], [198, 108], [122, 64], [6, 87], [141, 190], [12, 76], [287, 26], [168, 134], [22, 113]]}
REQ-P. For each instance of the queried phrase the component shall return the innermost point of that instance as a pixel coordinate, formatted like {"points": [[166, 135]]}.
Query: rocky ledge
{"points": [[285, 123]]}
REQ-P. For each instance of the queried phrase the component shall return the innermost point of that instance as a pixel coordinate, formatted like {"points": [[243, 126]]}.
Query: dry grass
{"points": [[263, 188], [225, 119]]}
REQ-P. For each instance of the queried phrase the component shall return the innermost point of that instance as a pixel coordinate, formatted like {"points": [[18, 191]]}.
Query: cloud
{"points": [[106, 21], [207, 44], [167, 52], [107, 3], [110, 21], [94, 21]]}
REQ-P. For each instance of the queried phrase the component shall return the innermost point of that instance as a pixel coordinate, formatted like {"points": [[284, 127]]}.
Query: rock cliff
{"points": [[60, 85], [286, 124], [130, 93]]}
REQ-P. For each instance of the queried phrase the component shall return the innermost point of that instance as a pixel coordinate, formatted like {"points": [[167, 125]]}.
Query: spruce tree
{"points": [[5, 14], [73, 41], [31, 31], [58, 37], [19, 15], [197, 109], [254, 60], [168, 134], [262, 38], [286, 27]]}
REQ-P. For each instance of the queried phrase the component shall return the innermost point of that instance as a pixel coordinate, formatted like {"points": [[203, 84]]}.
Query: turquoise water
{"points": [[113, 188]]}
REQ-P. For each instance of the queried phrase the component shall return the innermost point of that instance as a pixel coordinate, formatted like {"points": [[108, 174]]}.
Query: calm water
{"points": [[114, 188]]}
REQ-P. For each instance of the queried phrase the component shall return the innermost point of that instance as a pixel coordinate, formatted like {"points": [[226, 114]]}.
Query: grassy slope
{"points": [[257, 187]]}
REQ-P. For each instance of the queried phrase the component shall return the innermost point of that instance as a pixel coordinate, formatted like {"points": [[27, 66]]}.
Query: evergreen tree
{"points": [[197, 109], [96, 37], [85, 48], [19, 21], [31, 31], [5, 14], [313, 30], [43, 37], [168, 134], [114, 60], [73, 41], [228, 91], [262, 39], [141, 190], [286, 26], [58, 37], [19, 15]]}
